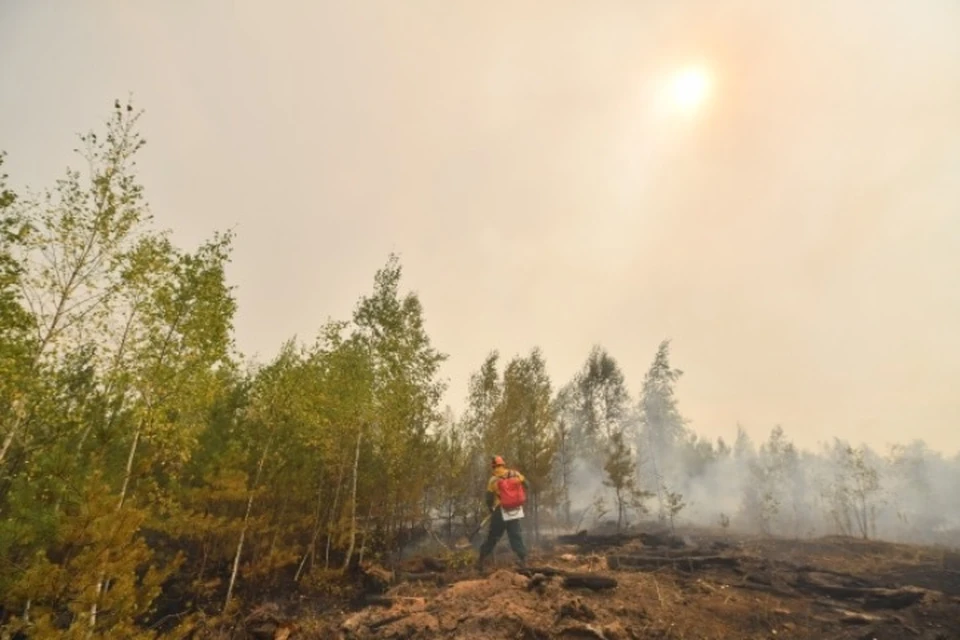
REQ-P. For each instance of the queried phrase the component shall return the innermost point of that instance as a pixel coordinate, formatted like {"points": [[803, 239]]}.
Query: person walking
{"points": [[505, 497]]}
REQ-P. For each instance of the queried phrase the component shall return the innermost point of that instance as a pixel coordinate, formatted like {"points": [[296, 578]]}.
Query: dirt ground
{"points": [[698, 585]]}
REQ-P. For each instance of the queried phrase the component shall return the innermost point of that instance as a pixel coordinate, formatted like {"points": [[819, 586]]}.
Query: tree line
{"points": [[151, 478]]}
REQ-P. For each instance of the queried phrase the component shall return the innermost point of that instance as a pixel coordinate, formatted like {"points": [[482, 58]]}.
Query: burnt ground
{"points": [[699, 585]]}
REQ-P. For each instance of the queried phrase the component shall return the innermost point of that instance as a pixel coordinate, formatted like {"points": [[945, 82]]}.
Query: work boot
{"points": [[522, 562], [481, 562]]}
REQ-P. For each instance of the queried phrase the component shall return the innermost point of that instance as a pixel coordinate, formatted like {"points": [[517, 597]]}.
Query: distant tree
{"points": [[771, 485], [694, 456], [659, 416], [864, 486], [912, 471], [723, 450], [852, 496], [621, 476], [661, 425], [563, 466], [598, 402], [675, 505]]}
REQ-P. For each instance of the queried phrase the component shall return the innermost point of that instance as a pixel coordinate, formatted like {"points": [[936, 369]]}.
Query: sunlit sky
{"points": [[774, 186]]}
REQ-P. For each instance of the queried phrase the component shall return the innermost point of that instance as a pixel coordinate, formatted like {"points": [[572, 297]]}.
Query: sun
{"points": [[690, 88]]}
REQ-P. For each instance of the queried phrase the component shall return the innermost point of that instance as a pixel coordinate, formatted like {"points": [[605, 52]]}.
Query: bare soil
{"points": [[699, 585]]}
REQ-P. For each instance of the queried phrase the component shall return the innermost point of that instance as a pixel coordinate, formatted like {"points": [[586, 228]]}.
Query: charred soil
{"points": [[700, 585]]}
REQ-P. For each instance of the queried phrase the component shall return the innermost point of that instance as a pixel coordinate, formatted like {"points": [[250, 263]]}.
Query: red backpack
{"points": [[512, 493]]}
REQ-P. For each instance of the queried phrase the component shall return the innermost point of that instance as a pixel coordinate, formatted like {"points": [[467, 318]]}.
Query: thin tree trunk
{"points": [[277, 527], [311, 551], [11, 434], [656, 475], [353, 518], [243, 530], [619, 496], [536, 516], [121, 349], [333, 514], [366, 528], [128, 473], [204, 552]]}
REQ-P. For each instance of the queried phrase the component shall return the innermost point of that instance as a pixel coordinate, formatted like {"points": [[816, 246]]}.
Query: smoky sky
{"points": [[798, 238]]}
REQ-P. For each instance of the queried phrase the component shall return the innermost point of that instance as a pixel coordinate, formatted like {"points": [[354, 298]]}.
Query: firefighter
{"points": [[505, 497]]}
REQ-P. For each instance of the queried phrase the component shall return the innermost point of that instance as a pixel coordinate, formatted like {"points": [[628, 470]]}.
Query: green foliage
{"points": [[620, 468], [521, 426], [675, 505], [598, 403], [659, 417], [97, 542], [662, 429]]}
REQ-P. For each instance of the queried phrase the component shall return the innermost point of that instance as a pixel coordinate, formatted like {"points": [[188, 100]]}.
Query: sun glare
{"points": [[689, 89]]}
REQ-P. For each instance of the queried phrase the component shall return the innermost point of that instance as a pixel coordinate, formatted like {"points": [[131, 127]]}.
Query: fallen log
{"points": [[434, 564], [689, 563], [589, 581], [582, 631], [855, 617], [428, 576], [662, 540], [389, 601], [583, 539], [809, 568], [893, 599], [376, 580], [871, 597], [573, 580], [764, 588], [382, 622], [546, 571]]}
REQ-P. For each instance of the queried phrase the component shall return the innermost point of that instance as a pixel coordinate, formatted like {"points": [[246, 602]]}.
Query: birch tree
{"points": [[406, 396], [599, 403], [75, 241]]}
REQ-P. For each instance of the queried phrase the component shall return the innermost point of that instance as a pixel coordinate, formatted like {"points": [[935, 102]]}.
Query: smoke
{"points": [[906, 494]]}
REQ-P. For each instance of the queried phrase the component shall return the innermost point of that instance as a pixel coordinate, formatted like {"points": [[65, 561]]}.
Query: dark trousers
{"points": [[514, 534]]}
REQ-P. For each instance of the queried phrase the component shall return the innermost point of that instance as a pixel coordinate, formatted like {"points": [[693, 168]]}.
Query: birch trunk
{"points": [[366, 529], [333, 514], [243, 530], [311, 551], [128, 473], [353, 517]]}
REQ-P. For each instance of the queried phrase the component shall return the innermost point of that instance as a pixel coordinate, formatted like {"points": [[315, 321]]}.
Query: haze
{"points": [[797, 235]]}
